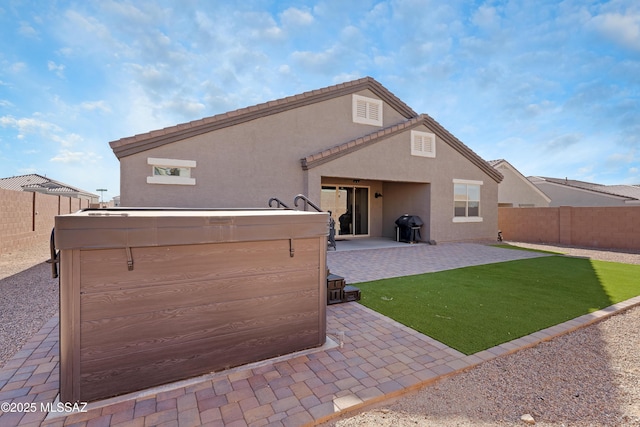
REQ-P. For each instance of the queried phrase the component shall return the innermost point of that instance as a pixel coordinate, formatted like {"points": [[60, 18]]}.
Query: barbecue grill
{"points": [[408, 226]]}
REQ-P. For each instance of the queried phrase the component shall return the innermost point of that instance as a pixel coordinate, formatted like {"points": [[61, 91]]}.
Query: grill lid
{"points": [[407, 220]]}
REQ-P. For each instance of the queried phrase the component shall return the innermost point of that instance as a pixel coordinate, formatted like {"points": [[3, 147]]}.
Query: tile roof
{"points": [[332, 153], [631, 192], [135, 144], [35, 182]]}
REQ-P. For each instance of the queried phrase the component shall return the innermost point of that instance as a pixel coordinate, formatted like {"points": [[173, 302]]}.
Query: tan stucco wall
{"points": [[406, 198], [517, 191], [567, 196], [245, 165], [391, 160]]}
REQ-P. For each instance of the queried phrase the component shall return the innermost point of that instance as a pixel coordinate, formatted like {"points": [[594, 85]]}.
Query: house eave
{"points": [[340, 150], [147, 141]]}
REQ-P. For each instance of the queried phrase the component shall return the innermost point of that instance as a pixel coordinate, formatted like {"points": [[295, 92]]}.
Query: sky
{"points": [[553, 87]]}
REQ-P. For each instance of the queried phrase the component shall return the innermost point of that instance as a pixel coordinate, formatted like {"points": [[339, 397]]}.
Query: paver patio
{"points": [[368, 358]]}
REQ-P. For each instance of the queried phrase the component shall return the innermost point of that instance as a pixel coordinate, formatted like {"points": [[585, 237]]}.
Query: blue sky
{"points": [[551, 86]]}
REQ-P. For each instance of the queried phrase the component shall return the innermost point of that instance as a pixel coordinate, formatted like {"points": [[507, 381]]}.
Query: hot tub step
{"points": [[351, 293]]}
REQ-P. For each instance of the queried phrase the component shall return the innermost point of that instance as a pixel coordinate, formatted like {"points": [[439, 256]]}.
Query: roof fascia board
{"points": [[333, 153], [359, 143], [136, 144], [460, 147]]}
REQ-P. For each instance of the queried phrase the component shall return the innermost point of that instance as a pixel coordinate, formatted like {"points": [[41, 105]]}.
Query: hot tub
{"points": [[151, 296]]}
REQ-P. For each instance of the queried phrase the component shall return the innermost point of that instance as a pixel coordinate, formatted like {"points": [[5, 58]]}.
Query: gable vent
{"points": [[423, 144], [367, 111]]}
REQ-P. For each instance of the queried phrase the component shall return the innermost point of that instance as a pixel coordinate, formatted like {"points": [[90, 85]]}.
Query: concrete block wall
{"points": [[534, 225], [611, 227], [16, 218], [26, 218]]}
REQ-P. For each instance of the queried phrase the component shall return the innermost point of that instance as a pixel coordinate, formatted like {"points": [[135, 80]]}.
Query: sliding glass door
{"points": [[349, 207]]}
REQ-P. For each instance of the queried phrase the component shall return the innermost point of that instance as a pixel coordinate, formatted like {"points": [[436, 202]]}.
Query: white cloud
{"points": [[284, 69], [261, 26], [88, 25], [622, 158], [378, 15], [563, 142], [324, 62], [67, 157], [542, 107], [296, 17], [129, 12], [57, 68], [96, 106], [68, 140], [65, 51], [27, 30], [623, 29], [28, 125], [345, 77], [88, 36], [157, 77], [186, 108], [18, 67], [486, 17], [585, 170]]}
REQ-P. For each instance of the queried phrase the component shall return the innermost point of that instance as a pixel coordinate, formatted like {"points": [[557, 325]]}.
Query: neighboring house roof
{"points": [[35, 182], [332, 153], [629, 192], [502, 162], [142, 142]]}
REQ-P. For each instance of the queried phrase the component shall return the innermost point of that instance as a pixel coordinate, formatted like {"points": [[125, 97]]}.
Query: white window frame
{"points": [[423, 144], [184, 179], [367, 111], [467, 218]]}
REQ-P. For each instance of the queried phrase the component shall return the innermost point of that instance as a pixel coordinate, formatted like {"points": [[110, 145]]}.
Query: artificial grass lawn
{"points": [[475, 308]]}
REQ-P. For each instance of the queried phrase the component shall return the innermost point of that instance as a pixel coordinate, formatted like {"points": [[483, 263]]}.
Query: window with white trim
{"points": [[466, 200], [423, 144], [171, 171], [367, 111]]}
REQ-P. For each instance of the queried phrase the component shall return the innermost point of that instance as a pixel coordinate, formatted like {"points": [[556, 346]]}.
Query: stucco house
{"points": [[353, 148], [571, 192], [515, 190]]}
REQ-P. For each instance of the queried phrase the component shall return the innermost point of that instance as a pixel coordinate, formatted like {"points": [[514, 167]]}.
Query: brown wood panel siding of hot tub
{"points": [[185, 310]]}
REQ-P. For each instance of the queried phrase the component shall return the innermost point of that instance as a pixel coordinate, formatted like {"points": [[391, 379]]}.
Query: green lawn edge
{"points": [[475, 308]]}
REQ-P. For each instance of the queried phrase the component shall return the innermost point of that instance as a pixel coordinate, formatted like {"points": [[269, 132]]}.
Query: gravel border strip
{"points": [[28, 297]]}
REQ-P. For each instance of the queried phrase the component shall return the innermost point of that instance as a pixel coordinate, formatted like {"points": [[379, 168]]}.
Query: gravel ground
{"points": [[590, 377], [28, 297]]}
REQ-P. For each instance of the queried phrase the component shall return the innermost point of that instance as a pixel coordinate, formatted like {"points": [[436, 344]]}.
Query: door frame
{"points": [[335, 215]]}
